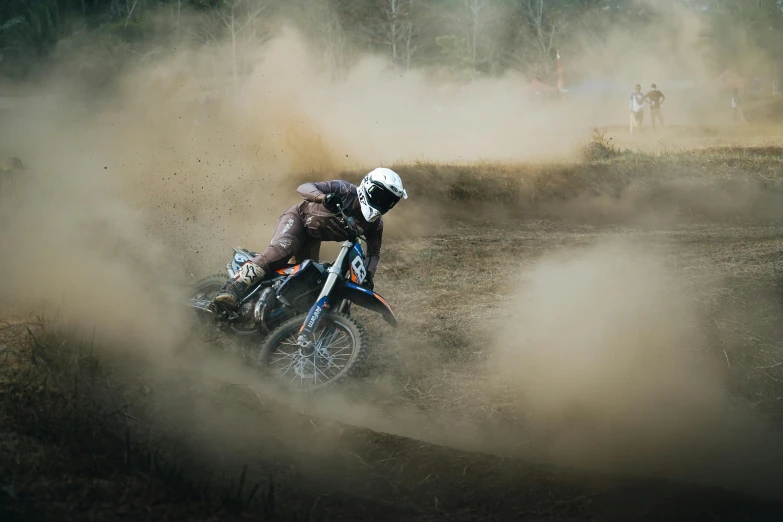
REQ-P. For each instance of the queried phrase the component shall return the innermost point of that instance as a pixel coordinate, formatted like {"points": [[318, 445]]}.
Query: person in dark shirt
{"points": [[302, 227], [655, 98]]}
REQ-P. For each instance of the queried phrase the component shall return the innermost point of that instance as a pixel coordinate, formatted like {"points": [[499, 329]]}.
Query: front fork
{"points": [[305, 339]]}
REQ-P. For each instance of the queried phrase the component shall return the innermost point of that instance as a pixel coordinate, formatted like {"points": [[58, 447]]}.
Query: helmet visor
{"points": [[381, 198]]}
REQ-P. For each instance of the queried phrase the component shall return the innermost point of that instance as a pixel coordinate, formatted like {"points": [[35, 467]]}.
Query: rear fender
{"points": [[367, 299]]}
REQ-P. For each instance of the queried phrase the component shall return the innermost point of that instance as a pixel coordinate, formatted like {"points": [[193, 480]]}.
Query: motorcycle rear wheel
{"points": [[341, 350], [207, 288]]}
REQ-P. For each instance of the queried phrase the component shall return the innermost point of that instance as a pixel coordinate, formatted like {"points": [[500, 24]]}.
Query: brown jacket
{"points": [[324, 225]]}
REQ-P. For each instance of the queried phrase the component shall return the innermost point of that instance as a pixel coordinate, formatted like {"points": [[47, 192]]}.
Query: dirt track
{"points": [[444, 289], [647, 388]]}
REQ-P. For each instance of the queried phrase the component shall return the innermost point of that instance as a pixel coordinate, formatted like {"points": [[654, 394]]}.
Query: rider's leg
{"points": [[308, 249], [248, 276], [288, 236]]}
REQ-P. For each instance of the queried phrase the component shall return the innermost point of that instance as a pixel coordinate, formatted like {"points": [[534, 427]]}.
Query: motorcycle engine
{"points": [[268, 312], [246, 311]]}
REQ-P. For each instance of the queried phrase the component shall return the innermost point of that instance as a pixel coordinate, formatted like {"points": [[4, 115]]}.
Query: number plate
{"points": [[357, 270]]}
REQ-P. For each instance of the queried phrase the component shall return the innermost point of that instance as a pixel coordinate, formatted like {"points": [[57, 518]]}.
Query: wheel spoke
{"points": [[333, 342], [288, 368], [284, 355], [318, 370], [322, 333], [315, 367], [283, 358]]}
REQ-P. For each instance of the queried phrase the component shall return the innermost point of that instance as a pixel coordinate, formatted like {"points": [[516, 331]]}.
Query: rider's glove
{"points": [[331, 201], [368, 282]]}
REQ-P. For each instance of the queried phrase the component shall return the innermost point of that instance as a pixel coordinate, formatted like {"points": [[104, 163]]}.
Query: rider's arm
{"points": [[315, 191], [374, 237]]}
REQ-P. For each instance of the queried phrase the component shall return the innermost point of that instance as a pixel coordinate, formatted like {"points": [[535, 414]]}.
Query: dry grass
{"points": [[615, 184], [599, 147], [73, 444]]}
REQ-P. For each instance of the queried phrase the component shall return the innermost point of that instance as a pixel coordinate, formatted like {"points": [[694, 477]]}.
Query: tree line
{"points": [[469, 37]]}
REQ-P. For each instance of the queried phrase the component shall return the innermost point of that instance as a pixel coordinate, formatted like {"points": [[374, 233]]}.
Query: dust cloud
{"points": [[605, 348], [128, 198]]}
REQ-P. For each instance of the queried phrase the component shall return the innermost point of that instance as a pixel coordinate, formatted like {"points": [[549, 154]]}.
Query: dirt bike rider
{"points": [[302, 227]]}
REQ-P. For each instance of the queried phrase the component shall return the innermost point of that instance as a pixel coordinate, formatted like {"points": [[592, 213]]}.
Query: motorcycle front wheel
{"points": [[341, 349]]}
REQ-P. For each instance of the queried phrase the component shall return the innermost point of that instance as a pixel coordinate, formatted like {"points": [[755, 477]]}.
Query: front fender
{"points": [[367, 299]]}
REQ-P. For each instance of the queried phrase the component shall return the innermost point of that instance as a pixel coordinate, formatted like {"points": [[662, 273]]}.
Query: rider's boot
{"points": [[249, 275]]}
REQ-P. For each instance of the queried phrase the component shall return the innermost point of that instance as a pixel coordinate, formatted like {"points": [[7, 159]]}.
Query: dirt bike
{"points": [[303, 313]]}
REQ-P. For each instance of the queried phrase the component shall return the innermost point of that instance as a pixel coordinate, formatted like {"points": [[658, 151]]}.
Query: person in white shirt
{"points": [[636, 107], [736, 108]]}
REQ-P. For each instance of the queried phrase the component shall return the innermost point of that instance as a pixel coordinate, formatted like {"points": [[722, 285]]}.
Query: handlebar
{"points": [[354, 231]]}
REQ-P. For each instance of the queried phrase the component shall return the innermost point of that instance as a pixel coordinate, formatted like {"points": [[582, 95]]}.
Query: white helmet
{"points": [[379, 191]]}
